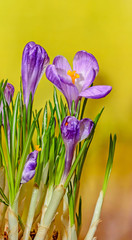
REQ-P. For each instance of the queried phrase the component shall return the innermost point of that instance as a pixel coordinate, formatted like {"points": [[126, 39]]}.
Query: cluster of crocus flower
{"points": [[60, 163], [74, 84]]}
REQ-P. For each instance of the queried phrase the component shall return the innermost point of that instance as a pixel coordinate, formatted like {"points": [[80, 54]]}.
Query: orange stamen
{"points": [[66, 123], [37, 148], [73, 75]]}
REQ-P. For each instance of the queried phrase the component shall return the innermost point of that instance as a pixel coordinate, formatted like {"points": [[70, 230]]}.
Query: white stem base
{"points": [[96, 218], [13, 224], [31, 213], [47, 218]]}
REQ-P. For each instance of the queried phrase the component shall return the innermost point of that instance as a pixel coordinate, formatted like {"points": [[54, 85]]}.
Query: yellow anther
{"points": [[73, 75], [37, 148]]}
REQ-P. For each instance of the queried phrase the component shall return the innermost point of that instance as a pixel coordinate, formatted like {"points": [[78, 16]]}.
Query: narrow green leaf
{"points": [[4, 202], [4, 196], [78, 109], [24, 125], [63, 112], [60, 167], [44, 123], [73, 108], [109, 162], [57, 107], [14, 128], [83, 107], [29, 112], [79, 217]]}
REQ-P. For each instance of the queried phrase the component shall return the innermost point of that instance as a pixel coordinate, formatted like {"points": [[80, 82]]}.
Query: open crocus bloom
{"points": [[30, 165], [75, 83], [34, 61], [74, 131]]}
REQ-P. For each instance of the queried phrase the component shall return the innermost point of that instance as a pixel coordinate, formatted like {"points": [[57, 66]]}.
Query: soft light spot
{"points": [[37, 148], [73, 75]]}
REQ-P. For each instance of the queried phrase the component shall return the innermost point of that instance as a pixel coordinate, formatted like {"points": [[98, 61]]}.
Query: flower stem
{"points": [[31, 213], [96, 218], [50, 212], [72, 233], [13, 220], [3, 209]]}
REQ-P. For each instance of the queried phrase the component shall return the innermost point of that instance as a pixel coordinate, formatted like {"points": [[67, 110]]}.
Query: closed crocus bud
{"points": [[74, 131], [34, 62], [30, 165], [8, 93]]}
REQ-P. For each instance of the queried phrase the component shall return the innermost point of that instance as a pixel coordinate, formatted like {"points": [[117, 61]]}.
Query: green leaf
{"points": [[24, 125], [83, 107], [14, 129], [109, 162], [29, 112], [63, 111], [78, 109], [71, 204], [4, 202], [73, 108], [4, 196], [21, 223], [44, 123], [79, 216], [57, 107], [60, 166]]}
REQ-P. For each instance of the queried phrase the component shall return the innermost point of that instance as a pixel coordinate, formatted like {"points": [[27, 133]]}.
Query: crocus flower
{"points": [[8, 93], [74, 131], [34, 61], [75, 84], [30, 165]]}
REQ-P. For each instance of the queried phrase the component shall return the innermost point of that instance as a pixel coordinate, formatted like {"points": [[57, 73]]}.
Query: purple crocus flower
{"points": [[30, 165], [8, 93], [74, 131], [76, 84], [34, 61]]}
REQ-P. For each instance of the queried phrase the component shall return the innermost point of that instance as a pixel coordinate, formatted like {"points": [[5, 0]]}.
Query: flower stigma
{"points": [[66, 123], [73, 75], [37, 148]]}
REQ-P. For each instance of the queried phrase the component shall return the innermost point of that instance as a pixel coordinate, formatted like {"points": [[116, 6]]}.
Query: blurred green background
{"points": [[103, 28]]}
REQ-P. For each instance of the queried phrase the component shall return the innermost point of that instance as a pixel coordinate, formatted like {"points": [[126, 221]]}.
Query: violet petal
{"points": [[96, 92], [84, 62], [34, 61], [86, 126]]}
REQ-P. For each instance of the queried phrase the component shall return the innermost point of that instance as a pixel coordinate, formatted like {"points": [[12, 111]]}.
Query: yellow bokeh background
{"points": [[103, 28]]}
